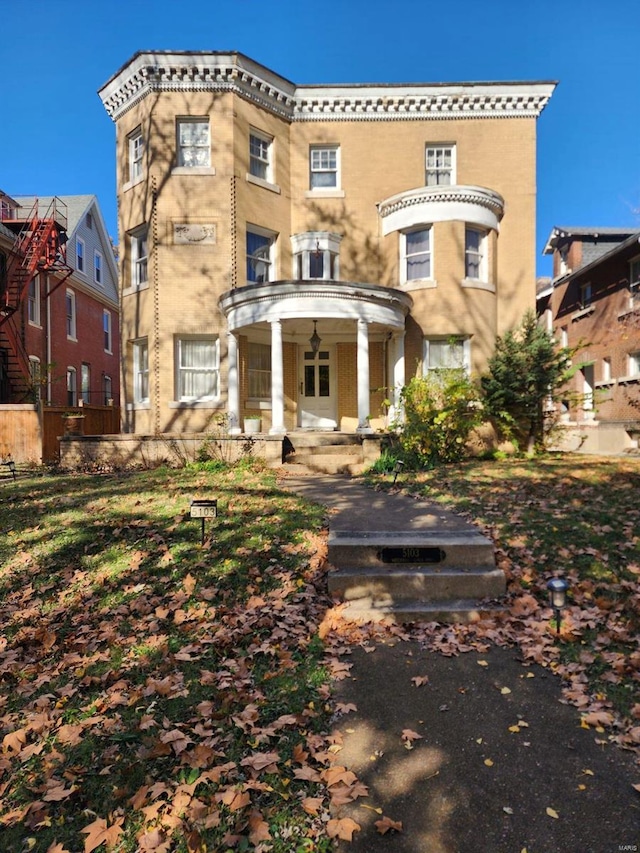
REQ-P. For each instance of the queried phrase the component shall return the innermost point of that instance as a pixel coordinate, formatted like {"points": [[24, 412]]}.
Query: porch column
{"points": [[277, 380], [396, 414], [233, 388], [363, 377]]}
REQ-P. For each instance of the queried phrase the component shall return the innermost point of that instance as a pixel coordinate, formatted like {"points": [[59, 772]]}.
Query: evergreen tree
{"points": [[527, 370]]}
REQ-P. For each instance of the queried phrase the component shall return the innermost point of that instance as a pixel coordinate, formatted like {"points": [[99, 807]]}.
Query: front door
{"points": [[317, 388]]}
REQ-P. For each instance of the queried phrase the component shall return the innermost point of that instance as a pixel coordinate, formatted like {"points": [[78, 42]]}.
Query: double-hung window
{"points": [[324, 167], [79, 254], [586, 295], [475, 254], [141, 371], [198, 363], [260, 255], [136, 154], [446, 354], [70, 307], [194, 144], [634, 363], [72, 388], [33, 301], [85, 382], [107, 392], [440, 165], [106, 330], [139, 266], [97, 267], [259, 371], [416, 255], [260, 156]]}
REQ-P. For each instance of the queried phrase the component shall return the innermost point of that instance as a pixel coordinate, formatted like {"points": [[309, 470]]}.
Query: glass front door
{"points": [[316, 404]]}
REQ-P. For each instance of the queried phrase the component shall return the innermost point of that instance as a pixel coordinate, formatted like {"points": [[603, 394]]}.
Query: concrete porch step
{"points": [[423, 584], [328, 463], [461, 549], [452, 611]]}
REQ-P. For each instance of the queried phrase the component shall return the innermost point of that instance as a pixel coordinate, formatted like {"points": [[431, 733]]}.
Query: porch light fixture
{"points": [[315, 339], [557, 597]]}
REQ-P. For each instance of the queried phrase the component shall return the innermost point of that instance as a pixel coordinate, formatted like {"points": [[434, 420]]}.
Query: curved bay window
{"points": [[316, 255]]}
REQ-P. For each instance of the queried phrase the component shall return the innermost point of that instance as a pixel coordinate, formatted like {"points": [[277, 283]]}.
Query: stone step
{"points": [[456, 549], [323, 438], [328, 463], [328, 450], [453, 611], [393, 585]]}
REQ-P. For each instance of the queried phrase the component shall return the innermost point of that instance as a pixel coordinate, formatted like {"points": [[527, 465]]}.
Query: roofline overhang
{"points": [[620, 247]]}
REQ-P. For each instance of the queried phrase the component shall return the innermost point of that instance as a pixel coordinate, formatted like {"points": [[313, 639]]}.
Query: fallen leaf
{"points": [[409, 735], [99, 832], [507, 810], [488, 762], [312, 805], [504, 690], [342, 828], [482, 663], [386, 824], [419, 680], [552, 813]]}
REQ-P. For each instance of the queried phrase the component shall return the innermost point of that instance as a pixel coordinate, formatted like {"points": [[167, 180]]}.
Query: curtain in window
{"points": [[198, 369], [258, 257], [443, 354], [418, 254]]}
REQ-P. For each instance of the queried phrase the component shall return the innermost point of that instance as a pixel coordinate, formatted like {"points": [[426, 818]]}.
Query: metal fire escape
{"points": [[39, 247]]}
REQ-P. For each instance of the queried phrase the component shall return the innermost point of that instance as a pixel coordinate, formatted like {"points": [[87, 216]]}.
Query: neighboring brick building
{"points": [[593, 302], [299, 252], [60, 329]]}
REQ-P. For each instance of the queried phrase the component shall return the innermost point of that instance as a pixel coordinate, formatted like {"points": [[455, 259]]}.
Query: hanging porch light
{"points": [[315, 339]]}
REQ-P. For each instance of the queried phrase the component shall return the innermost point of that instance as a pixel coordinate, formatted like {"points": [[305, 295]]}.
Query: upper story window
{"points": [[634, 363], [141, 371], [416, 255], [33, 301], [70, 304], [79, 254], [88, 220], [440, 165], [139, 259], [447, 353], [106, 330], [194, 144], [97, 267], [634, 283], [324, 167], [475, 254], [260, 156], [136, 153], [316, 255], [198, 362], [260, 254], [586, 295]]}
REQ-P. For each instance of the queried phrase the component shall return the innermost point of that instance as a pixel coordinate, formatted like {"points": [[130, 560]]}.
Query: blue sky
{"points": [[56, 138]]}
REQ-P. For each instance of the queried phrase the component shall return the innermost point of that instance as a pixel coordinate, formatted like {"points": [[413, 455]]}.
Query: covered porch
{"points": [[310, 355]]}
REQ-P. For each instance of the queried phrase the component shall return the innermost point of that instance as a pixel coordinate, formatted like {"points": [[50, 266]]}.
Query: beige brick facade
{"points": [[338, 248]]}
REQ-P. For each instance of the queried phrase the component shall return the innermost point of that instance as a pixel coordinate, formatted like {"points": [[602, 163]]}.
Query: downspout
{"points": [[47, 302]]}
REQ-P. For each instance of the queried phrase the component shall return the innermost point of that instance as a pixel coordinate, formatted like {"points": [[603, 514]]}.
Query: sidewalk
{"points": [[490, 770]]}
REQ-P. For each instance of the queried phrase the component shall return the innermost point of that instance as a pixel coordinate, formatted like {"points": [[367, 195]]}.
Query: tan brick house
{"points": [[297, 252]]}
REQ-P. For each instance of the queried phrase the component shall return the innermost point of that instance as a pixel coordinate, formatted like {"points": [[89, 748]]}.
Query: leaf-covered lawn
{"points": [[572, 515], [155, 694]]}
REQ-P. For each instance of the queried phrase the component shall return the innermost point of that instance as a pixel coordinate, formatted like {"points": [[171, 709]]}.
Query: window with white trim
{"points": [[475, 254], [440, 165], [259, 370], [72, 387], [194, 144], [70, 307], [634, 283], [79, 254], [85, 382], [97, 267], [416, 254], [634, 363], [260, 254], [316, 255], [141, 371], [35, 377], [106, 330], [136, 154], [447, 353], [139, 258], [606, 369], [198, 368], [33, 301], [260, 156], [107, 390], [324, 167]]}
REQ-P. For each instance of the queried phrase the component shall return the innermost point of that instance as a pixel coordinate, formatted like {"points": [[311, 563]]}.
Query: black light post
{"points": [[557, 597], [397, 469]]}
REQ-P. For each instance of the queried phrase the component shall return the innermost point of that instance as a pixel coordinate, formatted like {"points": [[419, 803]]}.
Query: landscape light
{"points": [[557, 597]]}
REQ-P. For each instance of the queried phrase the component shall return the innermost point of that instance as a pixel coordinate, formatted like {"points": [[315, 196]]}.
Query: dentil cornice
{"points": [[233, 72]]}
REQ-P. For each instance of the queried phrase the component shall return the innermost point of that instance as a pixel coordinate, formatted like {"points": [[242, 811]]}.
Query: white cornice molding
{"points": [[422, 205], [233, 72]]}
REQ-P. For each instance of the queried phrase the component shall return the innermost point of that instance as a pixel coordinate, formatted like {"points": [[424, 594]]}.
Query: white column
{"points": [[233, 388], [363, 377], [277, 380], [396, 414]]}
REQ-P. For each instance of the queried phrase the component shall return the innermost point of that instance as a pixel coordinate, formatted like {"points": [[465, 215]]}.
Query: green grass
{"points": [[139, 670]]}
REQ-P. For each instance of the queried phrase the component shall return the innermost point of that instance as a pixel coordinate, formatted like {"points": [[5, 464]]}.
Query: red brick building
{"points": [[593, 302]]}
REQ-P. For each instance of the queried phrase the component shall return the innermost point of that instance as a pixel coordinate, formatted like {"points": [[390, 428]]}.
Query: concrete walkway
{"points": [[479, 755]]}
